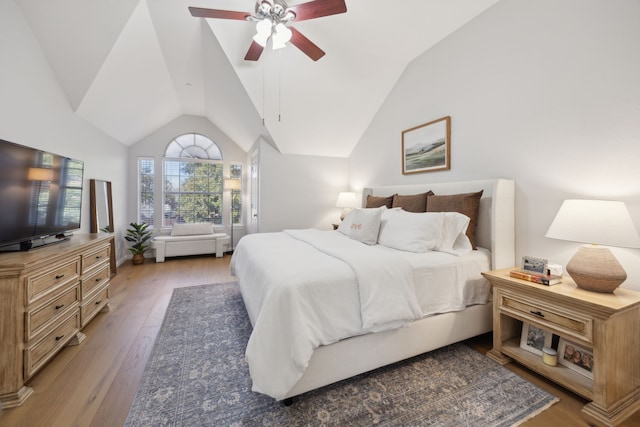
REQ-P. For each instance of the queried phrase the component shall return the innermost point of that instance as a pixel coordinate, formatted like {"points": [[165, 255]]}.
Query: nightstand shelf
{"points": [[605, 324]]}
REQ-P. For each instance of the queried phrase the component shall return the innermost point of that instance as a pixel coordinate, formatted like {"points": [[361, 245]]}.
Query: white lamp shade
{"points": [[232, 184], [600, 222], [281, 36], [347, 199], [263, 29]]}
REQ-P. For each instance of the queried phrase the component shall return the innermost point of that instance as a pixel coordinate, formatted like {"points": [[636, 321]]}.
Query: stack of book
{"points": [[543, 279]]}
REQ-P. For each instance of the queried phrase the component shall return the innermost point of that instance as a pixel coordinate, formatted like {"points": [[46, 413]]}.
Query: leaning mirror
{"points": [[101, 206]]}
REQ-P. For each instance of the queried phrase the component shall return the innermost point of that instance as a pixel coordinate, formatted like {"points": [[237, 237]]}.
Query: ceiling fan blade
{"points": [[317, 9], [200, 12], [305, 45], [254, 52]]}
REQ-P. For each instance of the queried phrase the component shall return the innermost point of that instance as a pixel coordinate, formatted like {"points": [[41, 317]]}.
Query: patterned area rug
{"points": [[197, 376]]}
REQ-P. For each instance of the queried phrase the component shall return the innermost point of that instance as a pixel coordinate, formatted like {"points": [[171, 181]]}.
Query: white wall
{"points": [[544, 92], [155, 144], [34, 111], [298, 191]]}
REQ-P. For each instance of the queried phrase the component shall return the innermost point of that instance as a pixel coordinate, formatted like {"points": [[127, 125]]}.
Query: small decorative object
{"points": [[534, 339], [595, 222], [575, 357], [534, 265], [549, 356], [427, 148], [139, 235]]}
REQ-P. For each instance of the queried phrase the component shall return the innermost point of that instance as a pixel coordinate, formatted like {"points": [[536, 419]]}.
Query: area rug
{"points": [[197, 376]]}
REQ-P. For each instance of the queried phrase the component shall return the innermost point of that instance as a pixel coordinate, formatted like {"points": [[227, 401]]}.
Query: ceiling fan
{"points": [[272, 18]]}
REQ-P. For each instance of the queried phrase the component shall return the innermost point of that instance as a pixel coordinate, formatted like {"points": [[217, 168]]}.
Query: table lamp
{"points": [[595, 222], [346, 200]]}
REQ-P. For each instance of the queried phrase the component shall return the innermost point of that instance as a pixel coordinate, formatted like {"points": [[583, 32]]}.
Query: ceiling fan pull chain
{"points": [[279, 85]]}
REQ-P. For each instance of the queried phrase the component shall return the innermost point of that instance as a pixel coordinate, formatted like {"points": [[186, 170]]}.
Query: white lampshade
{"points": [[346, 199], [600, 222], [263, 29], [231, 184], [597, 222], [281, 36]]}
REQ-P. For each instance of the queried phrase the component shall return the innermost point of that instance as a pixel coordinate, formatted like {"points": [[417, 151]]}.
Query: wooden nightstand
{"points": [[607, 324]]}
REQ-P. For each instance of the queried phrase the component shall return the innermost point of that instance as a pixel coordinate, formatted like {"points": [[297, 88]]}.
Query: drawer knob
{"points": [[537, 313], [98, 302], [58, 307], [59, 338], [98, 256], [59, 276]]}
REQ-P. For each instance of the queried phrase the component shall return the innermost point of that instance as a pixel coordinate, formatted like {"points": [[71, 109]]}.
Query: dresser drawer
{"points": [[91, 259], [96, 303], [90, 282], [38, 353], [38, 319], [548, 316], [45, 282]]}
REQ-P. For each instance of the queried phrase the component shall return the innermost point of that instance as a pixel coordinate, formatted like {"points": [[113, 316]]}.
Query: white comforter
{"points": [[307, 288]]}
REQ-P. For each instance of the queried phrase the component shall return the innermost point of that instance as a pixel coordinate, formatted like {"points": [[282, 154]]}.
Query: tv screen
{"points": [[40, 195]]}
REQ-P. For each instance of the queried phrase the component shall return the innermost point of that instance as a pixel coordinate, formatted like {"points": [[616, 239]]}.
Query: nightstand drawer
{"points": [[548, 316]]}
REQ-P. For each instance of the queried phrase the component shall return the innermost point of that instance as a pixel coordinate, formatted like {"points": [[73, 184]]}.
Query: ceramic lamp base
{"points": [[595, 268]]}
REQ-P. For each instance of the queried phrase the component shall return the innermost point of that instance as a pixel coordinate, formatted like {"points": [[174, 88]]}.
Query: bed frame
{"points": [[353, 356]]}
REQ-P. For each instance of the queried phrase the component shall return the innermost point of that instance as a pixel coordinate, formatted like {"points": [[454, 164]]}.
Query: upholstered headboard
{"points": [[496, 219]]}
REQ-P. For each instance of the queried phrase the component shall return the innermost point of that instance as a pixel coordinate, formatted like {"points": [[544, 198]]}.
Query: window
{"points": [[192, 192], [235, 172], [192, 185], [145, 180]]}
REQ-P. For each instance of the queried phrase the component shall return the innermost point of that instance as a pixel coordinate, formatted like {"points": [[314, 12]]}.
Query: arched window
{"points": [[193, 181], [192, 184]]}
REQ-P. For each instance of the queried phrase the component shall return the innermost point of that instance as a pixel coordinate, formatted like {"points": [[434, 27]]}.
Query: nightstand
{"points": [[606, 324]]}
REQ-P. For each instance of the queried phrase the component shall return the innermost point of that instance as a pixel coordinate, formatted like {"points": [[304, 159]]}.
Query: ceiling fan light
{"points": [[281, 36]]}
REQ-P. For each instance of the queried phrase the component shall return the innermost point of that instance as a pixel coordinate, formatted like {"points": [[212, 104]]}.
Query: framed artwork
{"points": [[575, 357], [533, 339], [427, 148], [534, 265]]}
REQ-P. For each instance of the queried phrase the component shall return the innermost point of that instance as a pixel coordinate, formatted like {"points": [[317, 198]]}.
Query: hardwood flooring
{"points": [[94, 383]]}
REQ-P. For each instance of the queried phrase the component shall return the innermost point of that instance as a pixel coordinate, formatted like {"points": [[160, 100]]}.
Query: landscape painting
{"points": [[427, 147]]}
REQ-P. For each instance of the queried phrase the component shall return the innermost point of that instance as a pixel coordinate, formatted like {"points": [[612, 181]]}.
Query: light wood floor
{"points": [[93, 384]]}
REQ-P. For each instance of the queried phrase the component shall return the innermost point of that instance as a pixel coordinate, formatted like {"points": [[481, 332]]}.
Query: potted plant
{"points": [[139, 234]]}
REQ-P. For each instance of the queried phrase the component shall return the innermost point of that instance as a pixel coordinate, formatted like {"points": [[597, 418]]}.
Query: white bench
{"points": [[189, 239]]}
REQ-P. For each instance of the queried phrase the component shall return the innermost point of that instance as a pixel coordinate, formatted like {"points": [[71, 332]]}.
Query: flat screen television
{"points": [[40, 196]]}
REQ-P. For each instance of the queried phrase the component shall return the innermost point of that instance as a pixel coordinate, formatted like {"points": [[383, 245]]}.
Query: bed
{"points": [[315, 322]]}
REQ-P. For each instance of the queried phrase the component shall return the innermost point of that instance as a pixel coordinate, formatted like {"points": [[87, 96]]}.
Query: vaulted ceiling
{"points": [[132, 66]]}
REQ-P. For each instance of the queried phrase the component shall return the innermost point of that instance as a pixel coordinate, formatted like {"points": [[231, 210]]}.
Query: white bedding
{"points": [[307, 288]]}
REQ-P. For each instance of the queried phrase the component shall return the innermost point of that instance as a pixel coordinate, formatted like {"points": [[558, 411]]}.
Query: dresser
{"points": [[47, 295], [604, 325]]}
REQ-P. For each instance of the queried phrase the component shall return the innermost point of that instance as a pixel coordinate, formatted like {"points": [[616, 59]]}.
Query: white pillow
{"points": [[192, 229], [365, 225], [410, 231], [345, 225], [454, 234]]}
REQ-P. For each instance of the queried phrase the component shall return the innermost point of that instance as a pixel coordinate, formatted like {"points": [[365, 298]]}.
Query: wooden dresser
{"points": [[47, 295]]}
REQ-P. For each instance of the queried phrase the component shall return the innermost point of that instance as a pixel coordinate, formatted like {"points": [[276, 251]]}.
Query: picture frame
{"points": [[533, 339], [576, 357], [534, 265], [427, 147]]}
